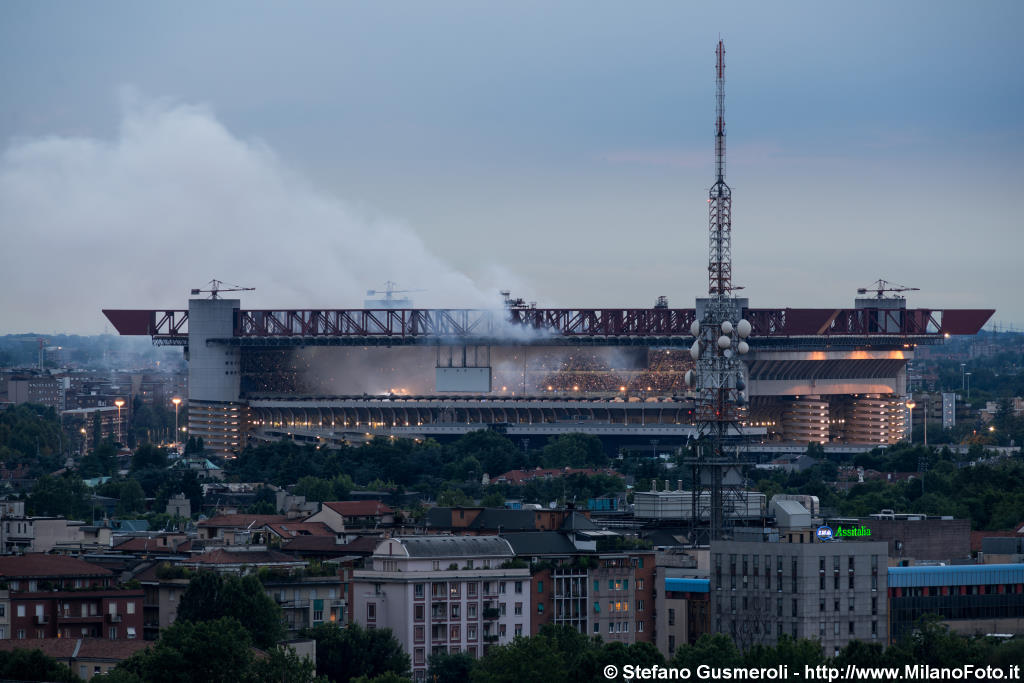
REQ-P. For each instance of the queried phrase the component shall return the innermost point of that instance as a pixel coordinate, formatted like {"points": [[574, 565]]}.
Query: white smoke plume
{"points": [[175, 199]]}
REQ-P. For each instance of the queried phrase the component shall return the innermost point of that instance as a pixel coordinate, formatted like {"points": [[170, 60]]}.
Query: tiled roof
{"points": [[520, 476], [364, 545], [41, 565], [222, 556], [142, 544], [297, 529], [88, 648], [360, 508], [455, 546], [243, 521]]}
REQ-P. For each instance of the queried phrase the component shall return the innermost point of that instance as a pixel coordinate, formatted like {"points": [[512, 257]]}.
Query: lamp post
{"points": [[968, 376], [963, 366], [119, 402], [926, 401], [82, 451], [910, 407], [177, 402]]}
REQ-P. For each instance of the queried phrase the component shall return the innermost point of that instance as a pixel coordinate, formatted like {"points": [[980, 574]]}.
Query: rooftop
{"points": [[450, 546], [39, 565]]}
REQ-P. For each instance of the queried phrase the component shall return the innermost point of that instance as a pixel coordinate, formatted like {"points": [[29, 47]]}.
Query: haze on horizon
{"points": [[562, 150]]}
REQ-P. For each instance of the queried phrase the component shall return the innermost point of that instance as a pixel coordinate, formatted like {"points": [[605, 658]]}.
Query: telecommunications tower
{"points": [[719, 378]]}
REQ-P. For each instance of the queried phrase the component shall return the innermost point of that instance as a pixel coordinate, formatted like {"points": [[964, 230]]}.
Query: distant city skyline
{"points": [[562, 151]]}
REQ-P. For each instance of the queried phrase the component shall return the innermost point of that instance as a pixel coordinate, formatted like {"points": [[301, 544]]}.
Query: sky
{"points": [[562, 150]]}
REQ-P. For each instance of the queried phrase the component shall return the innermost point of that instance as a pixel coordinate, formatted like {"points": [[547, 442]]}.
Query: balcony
{"points": [[42, 619], [115, 618], [78, 618], [295, 604]]}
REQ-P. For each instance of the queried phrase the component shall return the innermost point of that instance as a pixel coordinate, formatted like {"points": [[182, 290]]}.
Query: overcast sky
{"points": [[563, 150]]}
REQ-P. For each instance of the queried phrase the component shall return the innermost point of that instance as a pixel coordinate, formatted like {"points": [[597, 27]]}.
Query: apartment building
{"points": [[834, 591], [443, 594]]}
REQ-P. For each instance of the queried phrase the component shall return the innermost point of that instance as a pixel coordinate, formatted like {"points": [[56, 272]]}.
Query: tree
{"points": [[452, 497], [446, 668], [61, 496], [575, 450], [202, 652], [33, 665], [493, 500], [283, 665], [148, 456], [717, 648], [314, 489], [346, 653], [211, 596]]}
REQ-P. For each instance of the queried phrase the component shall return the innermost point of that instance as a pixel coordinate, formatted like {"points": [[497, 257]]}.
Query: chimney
{"points": [[679, 484]]}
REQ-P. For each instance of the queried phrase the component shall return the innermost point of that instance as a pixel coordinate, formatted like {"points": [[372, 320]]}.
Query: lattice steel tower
{"points": [[719, 332]]}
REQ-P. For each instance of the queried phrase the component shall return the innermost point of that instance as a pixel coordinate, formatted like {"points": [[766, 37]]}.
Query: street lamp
{"points": [[119, 402], [82, 430], [177, 402], [910, 406]]}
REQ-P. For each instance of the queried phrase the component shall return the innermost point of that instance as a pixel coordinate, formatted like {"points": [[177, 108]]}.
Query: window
{"points": [[501, 609], [874, 629], [540, 586], [418, 591], [835, 583], [469, 564], [113, 633], [471, 589], [418, 612], [639, 627], [502, 630], [850, 581], [778, 607], [611, 627], [518, 609], [874, 605], [850, 631], [371, 611], [436, 565], [455, 611], [671, 617], [540, 608], [821, 604], [597, 607], [131, 607], [33, 585], [852, 600], [639, 605], [501, 587], [597, 585], [821, 629], [21, 634], [454, 632], [418, 634], [794, 606], [519, 586], [131, 633], [519, 630], [597, 627], [874, 582], [835, 605], [471, 632], [21, 610], [821, 582], [835, 629], [418, 655], [639, 584], [471, 610]]}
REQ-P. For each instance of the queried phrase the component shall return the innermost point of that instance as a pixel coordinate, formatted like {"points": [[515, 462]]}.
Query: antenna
{"points": [[720, 198]]}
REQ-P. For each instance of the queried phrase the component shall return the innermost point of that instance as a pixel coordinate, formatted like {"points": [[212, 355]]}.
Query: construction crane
{"points": [[880, 286], [216, 287], [389, 291], [42, 342]]}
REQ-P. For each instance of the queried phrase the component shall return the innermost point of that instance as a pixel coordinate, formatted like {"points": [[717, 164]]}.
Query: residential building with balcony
{"points": [[53, 596], [444, 594]]}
